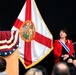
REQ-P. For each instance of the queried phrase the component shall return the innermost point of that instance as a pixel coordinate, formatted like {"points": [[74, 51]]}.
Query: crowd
{"points": [[60, 68]]}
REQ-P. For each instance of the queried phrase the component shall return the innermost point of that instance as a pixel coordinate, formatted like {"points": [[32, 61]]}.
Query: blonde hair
{"points": [[34, 71]]}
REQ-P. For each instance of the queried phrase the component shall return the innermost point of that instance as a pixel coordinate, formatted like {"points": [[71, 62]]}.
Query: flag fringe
{"points": [[33, 64]]}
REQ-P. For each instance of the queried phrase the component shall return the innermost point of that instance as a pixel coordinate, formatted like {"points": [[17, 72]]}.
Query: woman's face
{"points": [[62, 34]]}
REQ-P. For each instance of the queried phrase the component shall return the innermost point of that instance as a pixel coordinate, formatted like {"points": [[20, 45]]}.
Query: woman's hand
{"points": [[65, 56]]}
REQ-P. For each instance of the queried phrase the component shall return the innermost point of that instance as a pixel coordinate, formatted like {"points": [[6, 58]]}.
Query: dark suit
{"points": [[58, 49]]}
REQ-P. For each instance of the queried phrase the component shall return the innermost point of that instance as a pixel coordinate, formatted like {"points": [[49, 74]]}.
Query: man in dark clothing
{"points": [[3, 66], [60, 68]]}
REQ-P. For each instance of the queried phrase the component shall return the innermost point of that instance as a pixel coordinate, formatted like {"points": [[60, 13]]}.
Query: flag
{"points": [[35, 40], [8, 42]]}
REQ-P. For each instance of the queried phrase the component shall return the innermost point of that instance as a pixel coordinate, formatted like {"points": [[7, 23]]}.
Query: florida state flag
{"points": [[35, 40]]}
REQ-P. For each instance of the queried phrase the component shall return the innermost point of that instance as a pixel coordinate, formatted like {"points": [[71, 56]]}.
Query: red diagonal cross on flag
{"points": [[41, 44]]}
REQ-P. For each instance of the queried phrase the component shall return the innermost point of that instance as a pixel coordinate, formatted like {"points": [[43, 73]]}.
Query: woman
{"points": [[43, 69], [34, 71], [63, 48]]}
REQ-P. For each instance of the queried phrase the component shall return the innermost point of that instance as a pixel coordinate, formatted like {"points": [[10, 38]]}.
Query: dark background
{"points": [[56, 14]]}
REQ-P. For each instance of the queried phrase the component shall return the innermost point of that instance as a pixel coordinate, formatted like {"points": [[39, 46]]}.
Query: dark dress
{"points": [[65, 52]]}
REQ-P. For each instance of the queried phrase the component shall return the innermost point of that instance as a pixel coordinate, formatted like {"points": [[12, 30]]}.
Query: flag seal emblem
{"points": [[27, 31]]}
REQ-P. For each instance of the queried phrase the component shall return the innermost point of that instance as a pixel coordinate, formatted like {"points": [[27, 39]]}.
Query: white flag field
{"points": [[35, 40]]}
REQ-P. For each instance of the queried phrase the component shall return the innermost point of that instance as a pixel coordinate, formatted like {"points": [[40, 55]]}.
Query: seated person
{"points": [[2, 66], [74, 44], [74, 61], [63, 48], [34, 71], [60, 68], [72, 68], [43, 69]]}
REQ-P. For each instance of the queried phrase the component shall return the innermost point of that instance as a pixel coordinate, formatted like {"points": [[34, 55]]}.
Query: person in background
{"points": [[43, 69], [72, 68], [34, 71], [60, 68], [3, 66], [63, 48], [74, 62]]}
